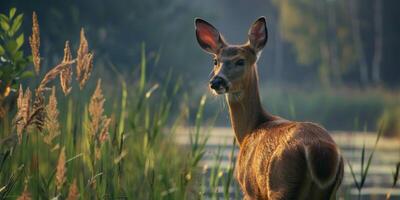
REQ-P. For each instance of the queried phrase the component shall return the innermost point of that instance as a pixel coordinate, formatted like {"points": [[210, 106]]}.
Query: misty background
{"points": [[331, 61]]}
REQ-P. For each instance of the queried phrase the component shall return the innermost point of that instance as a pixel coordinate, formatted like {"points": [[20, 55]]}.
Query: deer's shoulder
{"points": [[281, 131]]}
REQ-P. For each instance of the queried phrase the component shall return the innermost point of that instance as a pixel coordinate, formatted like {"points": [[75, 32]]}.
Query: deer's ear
{"points": [[208, 37], [258, 34]]}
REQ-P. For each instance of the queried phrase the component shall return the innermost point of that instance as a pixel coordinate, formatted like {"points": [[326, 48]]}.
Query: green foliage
{"points": [[13, 62]]}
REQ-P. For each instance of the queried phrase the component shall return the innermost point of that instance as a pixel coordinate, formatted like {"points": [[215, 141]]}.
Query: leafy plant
{"points": [[13, 62]]}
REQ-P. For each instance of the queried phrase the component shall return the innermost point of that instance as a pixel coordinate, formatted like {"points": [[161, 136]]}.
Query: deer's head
{"points": [[233, 64]]}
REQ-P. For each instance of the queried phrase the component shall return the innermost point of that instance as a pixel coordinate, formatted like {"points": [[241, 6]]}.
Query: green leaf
{"points": [[11, 47], [353, 175], [20, 40], [19, 56], [27, 74], [12, 12], [4, 25], [362, 159], [1, 50], [3, 17], [142, 81], [17, 22]]}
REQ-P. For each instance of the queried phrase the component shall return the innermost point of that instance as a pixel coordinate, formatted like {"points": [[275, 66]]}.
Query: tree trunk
{"points": [[333, 43], [356, 31], [378, 44]]}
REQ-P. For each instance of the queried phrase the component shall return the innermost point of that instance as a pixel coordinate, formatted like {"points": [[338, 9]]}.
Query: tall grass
{"points": [[137, 158], [395, 179], [365, 165], [84, 150]]}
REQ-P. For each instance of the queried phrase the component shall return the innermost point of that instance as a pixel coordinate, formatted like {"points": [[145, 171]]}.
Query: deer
{"points": [[278, 158]]}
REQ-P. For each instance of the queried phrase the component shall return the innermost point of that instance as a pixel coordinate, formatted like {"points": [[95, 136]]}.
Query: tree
{"points": [[320, 33], [378, 31]]}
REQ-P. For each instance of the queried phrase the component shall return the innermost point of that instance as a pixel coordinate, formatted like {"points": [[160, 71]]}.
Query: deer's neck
{"points": [[245, 109]]}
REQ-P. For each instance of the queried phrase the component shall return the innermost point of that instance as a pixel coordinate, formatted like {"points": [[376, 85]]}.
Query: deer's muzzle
{"points": [[219, 85]]}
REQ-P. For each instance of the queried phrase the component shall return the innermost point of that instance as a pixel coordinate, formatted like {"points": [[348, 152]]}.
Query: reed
{"points": [[359, 183], [34, 41], [76, 147]]}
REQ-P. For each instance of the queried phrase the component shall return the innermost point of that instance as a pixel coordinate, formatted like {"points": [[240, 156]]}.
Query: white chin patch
{"points": [[221, 90]]}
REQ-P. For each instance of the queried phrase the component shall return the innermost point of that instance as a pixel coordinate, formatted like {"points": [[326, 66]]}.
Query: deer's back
{"points": [[263, 155]]}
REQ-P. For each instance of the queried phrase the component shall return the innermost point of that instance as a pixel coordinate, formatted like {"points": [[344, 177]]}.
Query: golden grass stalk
{"points": [[66, 75], [82, 51], [29, 115], [97, 152], [23, 113], [61, 170], [84, 61], [88, 66], [24, 103], [73, 193], [103, 136], [34, 41], [51, 123], [99, 123], [96, 110], [53, 73]]}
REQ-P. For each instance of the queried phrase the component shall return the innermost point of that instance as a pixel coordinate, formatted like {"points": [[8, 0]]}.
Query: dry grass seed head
{"points": [[103, 136], [61, 170], [23, 113], [96, 109], [66, 75], [84, 61], [88, 66], [34, 41], [82, 51], [52, 74], [73, 193], [51, 123]]}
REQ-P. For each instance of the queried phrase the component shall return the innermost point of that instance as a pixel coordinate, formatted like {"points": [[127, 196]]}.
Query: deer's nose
{"points": [[217, 83]]}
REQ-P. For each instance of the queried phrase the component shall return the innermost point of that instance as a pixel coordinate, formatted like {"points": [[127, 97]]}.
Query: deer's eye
{"points": [[239, 62], [215, 62]]}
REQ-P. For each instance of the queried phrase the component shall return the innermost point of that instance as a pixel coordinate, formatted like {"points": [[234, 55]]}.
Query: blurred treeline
{"points": [[334, 62], [312, 42], [344, 41]]}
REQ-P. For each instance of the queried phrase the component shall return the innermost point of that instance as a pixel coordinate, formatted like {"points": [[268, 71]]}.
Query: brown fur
{"points": [[278, 158], [281, 159]]}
